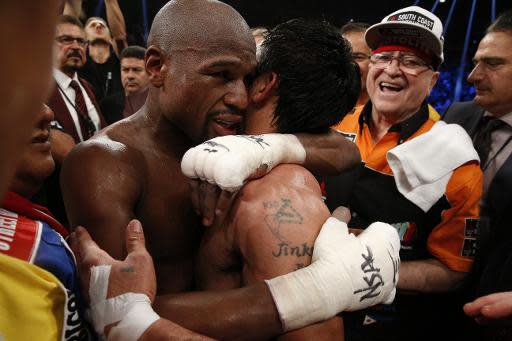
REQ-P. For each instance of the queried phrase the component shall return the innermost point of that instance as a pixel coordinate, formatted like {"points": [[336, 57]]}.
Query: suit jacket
{"points": [[62, 114], [495, 257]]}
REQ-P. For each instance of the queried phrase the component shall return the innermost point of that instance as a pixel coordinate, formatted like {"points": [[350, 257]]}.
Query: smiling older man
{"points": [[413, 176]]}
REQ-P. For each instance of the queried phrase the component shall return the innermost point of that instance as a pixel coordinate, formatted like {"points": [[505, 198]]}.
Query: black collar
{"points": [[406, 128]]}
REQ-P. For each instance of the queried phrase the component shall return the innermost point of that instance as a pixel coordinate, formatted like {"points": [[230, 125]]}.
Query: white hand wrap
{"points": [[347, 273], [133, 311], [229, 161]]}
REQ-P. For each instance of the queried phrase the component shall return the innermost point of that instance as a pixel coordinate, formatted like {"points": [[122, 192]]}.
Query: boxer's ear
{"points": [[264, 87], [155, 65]]}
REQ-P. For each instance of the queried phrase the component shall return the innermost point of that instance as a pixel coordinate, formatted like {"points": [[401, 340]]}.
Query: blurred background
{"points": [[464, 20]]}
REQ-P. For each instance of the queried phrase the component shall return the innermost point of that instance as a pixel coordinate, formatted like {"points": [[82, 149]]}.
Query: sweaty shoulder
{"points": [[283, 178], [113, 145]]}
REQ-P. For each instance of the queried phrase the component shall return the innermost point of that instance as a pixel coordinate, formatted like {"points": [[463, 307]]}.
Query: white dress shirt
{"points": [[68, 95]]}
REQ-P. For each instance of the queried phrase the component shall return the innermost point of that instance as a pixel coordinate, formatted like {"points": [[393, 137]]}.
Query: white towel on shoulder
{"points": [[423, 166]]}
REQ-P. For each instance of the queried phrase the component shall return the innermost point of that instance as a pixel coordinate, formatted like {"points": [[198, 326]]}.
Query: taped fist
{"points": [[347, 273], [229, 161]]}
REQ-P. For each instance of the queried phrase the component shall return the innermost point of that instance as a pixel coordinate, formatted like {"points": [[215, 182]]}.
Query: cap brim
{"points": [[376, 35]]}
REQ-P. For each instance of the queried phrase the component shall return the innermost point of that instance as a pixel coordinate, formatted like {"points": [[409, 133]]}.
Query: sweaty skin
{"points": [[130, 185], [132, 168], [269, 231]]}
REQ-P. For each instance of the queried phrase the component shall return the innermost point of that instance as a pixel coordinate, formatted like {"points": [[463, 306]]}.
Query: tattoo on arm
{"points": [[128, 269], [279, 214]]}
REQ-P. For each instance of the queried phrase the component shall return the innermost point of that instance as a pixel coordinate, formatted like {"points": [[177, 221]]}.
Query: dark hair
{"points": [[503, 23], [68, 19], [353, 26], [133, 51], [96, 18], [317, 81]]}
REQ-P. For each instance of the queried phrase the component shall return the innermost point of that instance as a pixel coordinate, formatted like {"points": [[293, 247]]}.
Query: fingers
{"points": [[135, 240], [342, 213], [83, 242], [209, 195], [223, 203], [204, 198], [496, 306], [194, 195]]}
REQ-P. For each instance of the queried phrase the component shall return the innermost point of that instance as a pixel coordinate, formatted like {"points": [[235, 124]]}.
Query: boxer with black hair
{"points": [[215, 67]]}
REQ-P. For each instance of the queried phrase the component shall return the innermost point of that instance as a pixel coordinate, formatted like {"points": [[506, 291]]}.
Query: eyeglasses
{"points": [[68, 40], [360, 57], [408, 63]]}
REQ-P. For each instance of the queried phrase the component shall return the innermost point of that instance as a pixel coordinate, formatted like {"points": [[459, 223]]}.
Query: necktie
{"points": [[482, 139], [86, 125]]}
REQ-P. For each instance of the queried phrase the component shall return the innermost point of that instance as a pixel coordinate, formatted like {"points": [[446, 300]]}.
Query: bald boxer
{"points": [[243, 311]]}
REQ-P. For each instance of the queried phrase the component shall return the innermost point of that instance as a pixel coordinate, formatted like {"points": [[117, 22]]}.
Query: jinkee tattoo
{"points": [[297, 251], [282, 213]]}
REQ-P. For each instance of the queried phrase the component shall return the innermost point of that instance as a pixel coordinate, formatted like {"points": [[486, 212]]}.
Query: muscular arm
{"points": [[330, 153], [428, 276], [100, 188], [230, 314], [116, 24]]}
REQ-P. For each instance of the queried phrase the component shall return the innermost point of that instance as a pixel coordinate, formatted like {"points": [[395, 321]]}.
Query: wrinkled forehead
{"points": [[208, 40], [496, 44], [231, 55], [69, 30]]}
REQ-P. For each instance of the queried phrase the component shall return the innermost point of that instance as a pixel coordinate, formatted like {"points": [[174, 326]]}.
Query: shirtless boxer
{"points": [[132, 169], [274, 220], [233, 318]]}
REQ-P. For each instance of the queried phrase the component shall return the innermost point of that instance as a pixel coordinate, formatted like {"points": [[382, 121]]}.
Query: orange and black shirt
{"points": [[446, 231]]}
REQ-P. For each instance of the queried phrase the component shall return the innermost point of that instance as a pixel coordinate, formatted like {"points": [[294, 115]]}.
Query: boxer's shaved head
{"points": [[192, 24], [199, 55]]}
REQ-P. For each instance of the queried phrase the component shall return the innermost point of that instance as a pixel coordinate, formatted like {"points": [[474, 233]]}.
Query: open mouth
{"points": [[386, 86], [227, 124]]}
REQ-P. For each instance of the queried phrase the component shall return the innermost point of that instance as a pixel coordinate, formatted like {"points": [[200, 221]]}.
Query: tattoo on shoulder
{"points": [[128, 269], [279, 214]]}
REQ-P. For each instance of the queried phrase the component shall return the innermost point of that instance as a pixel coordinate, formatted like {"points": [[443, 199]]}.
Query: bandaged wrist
{"points": [[284, 148], [348, 273], [139, 318], [229, 161], [132, 310]]}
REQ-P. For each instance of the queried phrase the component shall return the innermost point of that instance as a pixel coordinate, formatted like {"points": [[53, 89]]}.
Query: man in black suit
{"points": [[488, 120]]}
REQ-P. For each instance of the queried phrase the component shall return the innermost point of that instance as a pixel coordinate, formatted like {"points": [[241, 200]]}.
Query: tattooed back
{"points": [[269, 231]]}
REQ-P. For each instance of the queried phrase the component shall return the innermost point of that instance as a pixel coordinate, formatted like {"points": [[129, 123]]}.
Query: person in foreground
{"points": [[159, 127], [274, 220], [434, 207], [29, 232]]}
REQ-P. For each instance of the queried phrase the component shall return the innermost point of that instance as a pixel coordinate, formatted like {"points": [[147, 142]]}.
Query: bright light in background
{"points": [[441, 1]]}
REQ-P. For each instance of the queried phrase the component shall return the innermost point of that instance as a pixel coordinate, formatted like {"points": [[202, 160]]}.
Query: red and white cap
{"points": [[413, 27]]}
